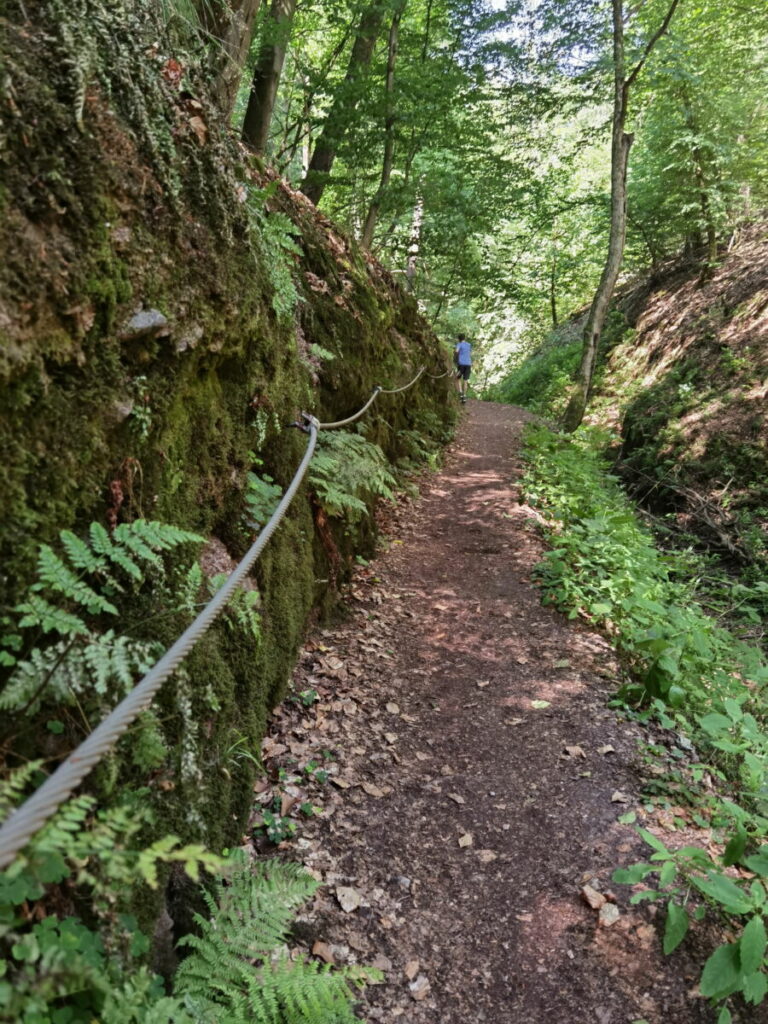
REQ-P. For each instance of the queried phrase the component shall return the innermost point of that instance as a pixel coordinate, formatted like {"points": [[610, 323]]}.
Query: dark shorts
{"points": [[463, 372]]}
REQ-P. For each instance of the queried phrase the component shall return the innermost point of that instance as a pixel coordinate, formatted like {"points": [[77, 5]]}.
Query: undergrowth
{"points": [[700, 682], [59, 966]]}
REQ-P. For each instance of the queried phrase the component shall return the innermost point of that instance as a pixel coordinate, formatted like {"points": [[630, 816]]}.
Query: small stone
{"points": [[609, 914], [591, 896], [349, 899], [146, 321]]}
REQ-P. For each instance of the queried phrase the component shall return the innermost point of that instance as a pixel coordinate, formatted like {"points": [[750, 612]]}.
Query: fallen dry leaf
{"points": [[393, 709], [465, 840], [373, 790], [484, 683], [349, 899], [323, 950], [419, 989], [486, 856], [412, 969], [617, 797], [607, 749], [457, 798], [575, 751]]}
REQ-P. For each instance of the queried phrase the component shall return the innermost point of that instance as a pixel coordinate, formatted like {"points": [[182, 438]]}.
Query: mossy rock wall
{"points": [[143, 360]]}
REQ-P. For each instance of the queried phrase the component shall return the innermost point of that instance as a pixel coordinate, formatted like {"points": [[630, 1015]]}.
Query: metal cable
{"points": [[34, 812], [395, 391], [351, 419]]}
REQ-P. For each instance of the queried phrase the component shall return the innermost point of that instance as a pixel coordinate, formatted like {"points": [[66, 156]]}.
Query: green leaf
{"points": [[667, 873], [652, 841], [724, 1017], [724, 891], [539, 704], [752, 945], [755, 987], [758, 862], [734, 851], [722, 973], [55, 726], [715, 724], [631, 875], [627, 819], [676, 927]]}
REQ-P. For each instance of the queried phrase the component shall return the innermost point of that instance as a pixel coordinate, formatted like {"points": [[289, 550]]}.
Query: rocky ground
{"points": [[455, 734]]}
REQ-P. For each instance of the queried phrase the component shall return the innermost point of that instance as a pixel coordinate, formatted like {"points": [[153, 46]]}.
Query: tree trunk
{"points": [[389, 129], [344, 103], [414, 244], [553, 287], [620, 146], [266, 76], [230, 23]]}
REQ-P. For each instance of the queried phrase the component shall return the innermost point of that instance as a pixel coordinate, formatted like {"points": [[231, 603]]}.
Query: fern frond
{"points": [[81, 555], [12, 788], [101, 543], [36, 611], [54, 574]]}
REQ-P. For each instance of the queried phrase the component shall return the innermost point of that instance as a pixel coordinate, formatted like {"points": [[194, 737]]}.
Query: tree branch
{"points": [[652, 42]]}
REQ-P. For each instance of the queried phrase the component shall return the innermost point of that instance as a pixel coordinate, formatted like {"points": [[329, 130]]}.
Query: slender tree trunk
{"points": [[414, 244], [620, 146], [344, 103], [230, 23], [266, 76], [389, 129], [553, 287]]}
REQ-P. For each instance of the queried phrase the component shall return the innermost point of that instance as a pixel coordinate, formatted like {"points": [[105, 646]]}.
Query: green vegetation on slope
{"points": [[704, 686]]}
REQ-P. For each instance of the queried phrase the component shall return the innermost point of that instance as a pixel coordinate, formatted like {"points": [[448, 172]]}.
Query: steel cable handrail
{"points": [[23, 822], [35, 811], [396, 391]]}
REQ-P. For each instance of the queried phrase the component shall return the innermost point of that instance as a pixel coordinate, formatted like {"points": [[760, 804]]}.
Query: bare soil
{"points": [[461, 820]]}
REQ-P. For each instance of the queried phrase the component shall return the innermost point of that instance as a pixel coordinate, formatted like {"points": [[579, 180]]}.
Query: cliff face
{"points": [[165, 311]]}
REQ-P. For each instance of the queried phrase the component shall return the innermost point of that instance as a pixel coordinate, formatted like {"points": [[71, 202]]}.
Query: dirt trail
{"points": [[426, 698]]}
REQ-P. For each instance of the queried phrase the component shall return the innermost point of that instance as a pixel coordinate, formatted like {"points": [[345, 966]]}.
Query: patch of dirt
{"points": [[475, 778]]}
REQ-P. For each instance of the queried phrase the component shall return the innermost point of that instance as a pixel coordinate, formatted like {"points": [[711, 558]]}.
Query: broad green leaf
{"points": [[734, 851], [676, 927], [722, 973], [631, 875], [724, 891], [752, 945], [724, 1017], [758, 862], [714, 723], [755, 987], [652, 841], [667, 873]]}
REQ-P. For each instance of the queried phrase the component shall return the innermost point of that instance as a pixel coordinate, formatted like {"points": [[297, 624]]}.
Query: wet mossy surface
{"points": [[108, 421]]}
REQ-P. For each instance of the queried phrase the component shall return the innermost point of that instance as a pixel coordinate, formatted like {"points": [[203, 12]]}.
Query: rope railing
{"points": [[27, 819]]}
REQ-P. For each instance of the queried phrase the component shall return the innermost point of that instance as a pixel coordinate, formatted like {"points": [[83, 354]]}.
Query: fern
{"points": [[345, 470], [233, 975], [84, 661]]}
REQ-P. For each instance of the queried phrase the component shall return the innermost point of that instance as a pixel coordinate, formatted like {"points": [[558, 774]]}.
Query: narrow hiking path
{"points": [[461, 820]]}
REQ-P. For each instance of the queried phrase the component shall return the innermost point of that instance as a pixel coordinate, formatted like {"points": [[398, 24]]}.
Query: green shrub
{"points": [[697, 677]]}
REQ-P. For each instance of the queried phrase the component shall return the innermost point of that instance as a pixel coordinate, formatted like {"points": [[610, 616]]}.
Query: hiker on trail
{"points": [[462, 358]]}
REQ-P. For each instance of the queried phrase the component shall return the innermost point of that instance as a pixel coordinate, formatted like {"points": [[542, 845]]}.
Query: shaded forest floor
{"points": [[475, 777]]}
